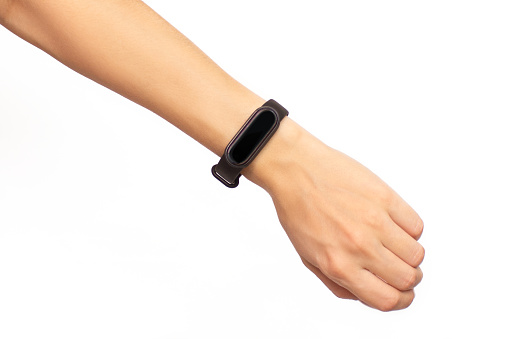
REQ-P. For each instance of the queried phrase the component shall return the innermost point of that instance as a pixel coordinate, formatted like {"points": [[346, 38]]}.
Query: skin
{"points": [[349, 228]]}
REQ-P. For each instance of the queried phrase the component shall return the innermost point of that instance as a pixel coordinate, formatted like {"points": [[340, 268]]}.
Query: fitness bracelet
{"points": [[248, 142]]}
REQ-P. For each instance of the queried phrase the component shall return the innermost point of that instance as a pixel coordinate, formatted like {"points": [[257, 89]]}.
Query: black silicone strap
{"points": [[228, 173], [281, 111]]}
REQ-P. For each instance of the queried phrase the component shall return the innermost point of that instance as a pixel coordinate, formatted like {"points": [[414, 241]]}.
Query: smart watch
{"points": [[248, 142]]}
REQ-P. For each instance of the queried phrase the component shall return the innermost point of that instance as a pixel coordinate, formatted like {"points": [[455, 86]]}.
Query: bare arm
{"points": [[127, 47], [355, 233]]}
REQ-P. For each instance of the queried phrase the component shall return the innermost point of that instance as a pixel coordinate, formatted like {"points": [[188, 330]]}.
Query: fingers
{"points": [[405, 217], [379, 279], [399, 242], [395, 272], [377, 294], [338, 291]]}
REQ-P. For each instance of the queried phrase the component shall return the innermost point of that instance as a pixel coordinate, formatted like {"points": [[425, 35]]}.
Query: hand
{"points": [[349, 228]]}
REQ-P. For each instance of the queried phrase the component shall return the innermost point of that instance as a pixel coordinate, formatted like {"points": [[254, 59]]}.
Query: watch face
{"points": [[252, 136]]}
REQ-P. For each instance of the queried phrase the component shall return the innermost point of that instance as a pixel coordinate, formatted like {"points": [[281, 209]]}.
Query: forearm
{"points": [[127, 47]]}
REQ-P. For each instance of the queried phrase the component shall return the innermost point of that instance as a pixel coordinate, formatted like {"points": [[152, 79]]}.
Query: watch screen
{"points": [[252, 136]]}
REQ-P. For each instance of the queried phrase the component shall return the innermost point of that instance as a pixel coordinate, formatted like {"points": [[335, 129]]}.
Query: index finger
{"points": [[405, 217]]}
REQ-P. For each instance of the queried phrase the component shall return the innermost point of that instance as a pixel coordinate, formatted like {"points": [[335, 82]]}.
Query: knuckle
{"points": [[331, 267], [375, 217], [409, 299], [390, 302], [334, 270], [364, 245], [358, 241], [384, 194], [410, 280], [389, 198], [360, 250], [418, 256], [419, 228]]}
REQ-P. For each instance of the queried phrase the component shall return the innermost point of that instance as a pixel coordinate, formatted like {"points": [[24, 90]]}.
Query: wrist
{"points": [[282, 153]]}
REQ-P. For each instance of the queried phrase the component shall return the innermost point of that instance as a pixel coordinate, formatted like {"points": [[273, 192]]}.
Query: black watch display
{"points": [[248, 142]]}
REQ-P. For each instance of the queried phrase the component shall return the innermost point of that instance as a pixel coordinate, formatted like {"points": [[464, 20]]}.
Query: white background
{"points": [[102, 236]]}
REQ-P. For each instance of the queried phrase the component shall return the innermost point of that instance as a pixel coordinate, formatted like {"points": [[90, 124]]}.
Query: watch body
{"points": [[248, 142]]}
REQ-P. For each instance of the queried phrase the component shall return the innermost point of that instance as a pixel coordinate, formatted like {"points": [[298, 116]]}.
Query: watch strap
{"points": [[229, 174], [280, 110]]}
